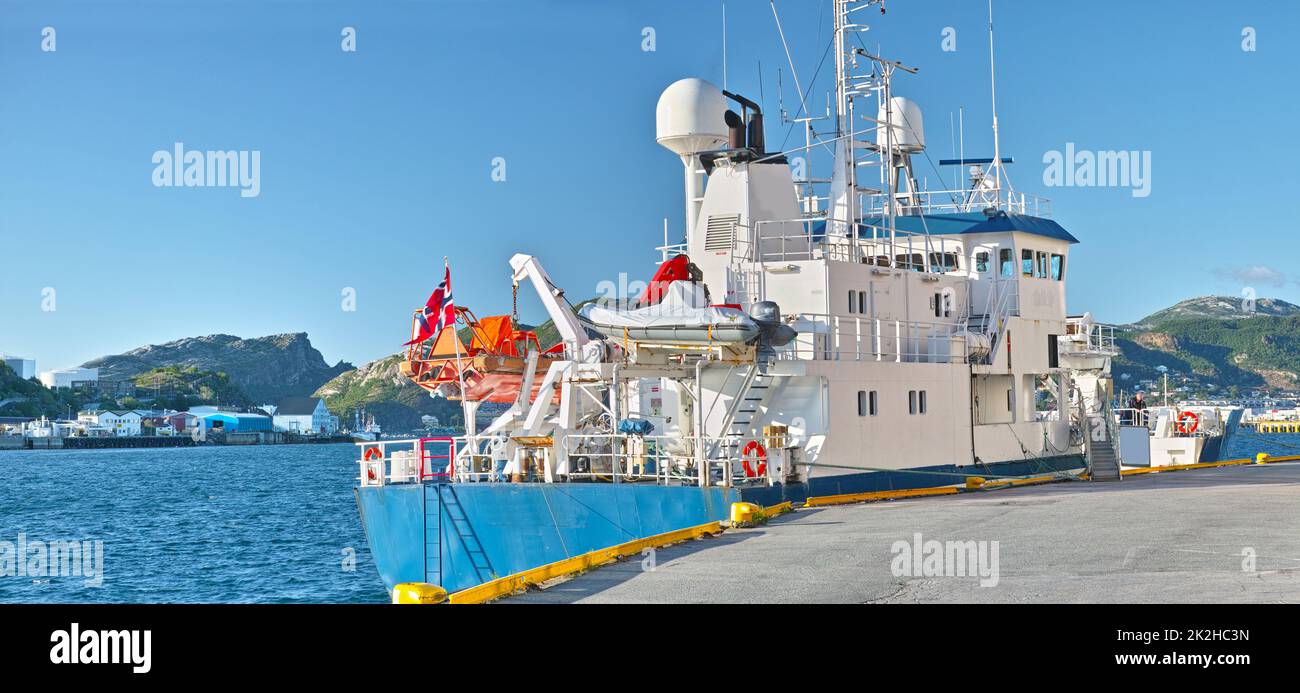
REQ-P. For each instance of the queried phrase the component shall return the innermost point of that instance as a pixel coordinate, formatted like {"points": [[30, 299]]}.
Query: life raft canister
{"points": [[1188, 422], [754, 451]]}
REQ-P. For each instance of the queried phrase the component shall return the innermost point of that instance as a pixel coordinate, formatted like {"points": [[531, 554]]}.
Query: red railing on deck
{"points": [[427, 455]]}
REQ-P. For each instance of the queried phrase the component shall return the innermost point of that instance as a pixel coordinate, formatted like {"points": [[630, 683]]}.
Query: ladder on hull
{"points": [[445, 511]]}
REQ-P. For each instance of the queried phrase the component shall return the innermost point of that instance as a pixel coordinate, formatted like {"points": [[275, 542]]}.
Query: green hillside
{"points": [[181, 387], [20, 397], [1258, 350]]}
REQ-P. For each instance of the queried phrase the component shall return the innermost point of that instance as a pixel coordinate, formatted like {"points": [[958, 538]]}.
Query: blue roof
{"points": [[961, 224]]}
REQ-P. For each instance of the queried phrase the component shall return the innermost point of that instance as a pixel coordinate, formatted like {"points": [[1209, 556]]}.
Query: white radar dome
{"points": [[908, 127], [689, 117]]}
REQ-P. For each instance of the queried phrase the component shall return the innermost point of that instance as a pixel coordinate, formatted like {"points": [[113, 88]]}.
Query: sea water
{"points": [[262, 523], [1245, 444], [271, 523]]}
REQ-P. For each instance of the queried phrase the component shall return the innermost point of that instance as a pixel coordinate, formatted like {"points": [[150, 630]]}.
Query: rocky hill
{"points": [[263, 368], [1217, 341], [1220, 308]]}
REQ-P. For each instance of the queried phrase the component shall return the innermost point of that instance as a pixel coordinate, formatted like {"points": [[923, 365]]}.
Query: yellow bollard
{"points": [[974, 482], [418, 593], [744, 513], [1261, 458]]}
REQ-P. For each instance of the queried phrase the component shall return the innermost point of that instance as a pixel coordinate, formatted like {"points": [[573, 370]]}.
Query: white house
{"points": [[122, 423], [304, 415], [69, 377]]}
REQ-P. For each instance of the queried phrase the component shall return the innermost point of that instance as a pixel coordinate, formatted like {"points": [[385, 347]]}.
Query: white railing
{"points": [[664, 459], [669, 251], [1083, 337], [1207, 423], [408, 460], [612, 458], [958, 202], [1001, 304], [845, 338], [794, 240]]}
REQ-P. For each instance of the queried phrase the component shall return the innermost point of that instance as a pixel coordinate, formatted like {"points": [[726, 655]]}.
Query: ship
{"points": [[365, 429], [809, 336]]}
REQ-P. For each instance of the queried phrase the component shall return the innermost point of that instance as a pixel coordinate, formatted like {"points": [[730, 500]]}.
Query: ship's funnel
{"points": [[735, 130], [689, 117], [756, 140]]}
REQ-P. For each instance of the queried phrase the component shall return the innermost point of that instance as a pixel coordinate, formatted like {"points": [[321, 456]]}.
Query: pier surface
{"points": [[1184, 537]]}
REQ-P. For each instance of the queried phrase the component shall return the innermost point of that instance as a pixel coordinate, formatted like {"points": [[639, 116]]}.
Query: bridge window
{"points": [[982, 263], [911, 402], [1008, 261], [944, 262], [1027, 263], [1042, 265], [862, 402], [921, 408], [913, 261], [871, 401], [1058, 267]]}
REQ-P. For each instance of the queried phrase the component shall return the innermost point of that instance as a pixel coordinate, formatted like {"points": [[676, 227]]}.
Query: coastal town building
{"points": [[25, 368], [70, 377], [182, 421], [236, 422], [303, 415], [121, 423]]}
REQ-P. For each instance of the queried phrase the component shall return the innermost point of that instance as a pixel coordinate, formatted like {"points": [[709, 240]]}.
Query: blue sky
{"points": [[376, 164]]}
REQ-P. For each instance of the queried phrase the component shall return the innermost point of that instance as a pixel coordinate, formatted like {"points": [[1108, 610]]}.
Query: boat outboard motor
{"points": [[772, 332]]}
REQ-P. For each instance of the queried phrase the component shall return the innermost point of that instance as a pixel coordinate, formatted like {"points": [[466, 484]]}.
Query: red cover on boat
{"points": [[675, 269]]}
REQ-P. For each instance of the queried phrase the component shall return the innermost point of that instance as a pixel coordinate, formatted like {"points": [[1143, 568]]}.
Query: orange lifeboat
{"points": [[491, 366]]}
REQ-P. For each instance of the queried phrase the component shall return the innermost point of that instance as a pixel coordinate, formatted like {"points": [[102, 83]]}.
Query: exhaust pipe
{"points": [[735, 130]]}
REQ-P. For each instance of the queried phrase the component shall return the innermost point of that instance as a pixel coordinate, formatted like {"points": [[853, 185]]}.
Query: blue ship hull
{"points": [[464, 534]]}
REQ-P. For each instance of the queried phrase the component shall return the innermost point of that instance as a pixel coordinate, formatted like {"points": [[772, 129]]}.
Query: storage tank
{"points": [[690, 117], [909, 129]]}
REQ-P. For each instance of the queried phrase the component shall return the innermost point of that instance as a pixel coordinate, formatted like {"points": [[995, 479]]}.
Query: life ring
{"points": [[1186, 428], [371, 453], [754, 450]]}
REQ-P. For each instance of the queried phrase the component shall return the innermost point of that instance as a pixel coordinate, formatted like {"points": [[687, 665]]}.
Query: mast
{"points": [[844, 115], [997, 144]]}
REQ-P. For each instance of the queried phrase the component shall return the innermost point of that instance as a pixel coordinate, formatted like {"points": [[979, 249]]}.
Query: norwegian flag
{"points": [[439, 309]]}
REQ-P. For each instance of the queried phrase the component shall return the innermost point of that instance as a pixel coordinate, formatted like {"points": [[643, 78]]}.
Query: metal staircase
{"points": [[748, 403], [1103, 462], [744, 409]]}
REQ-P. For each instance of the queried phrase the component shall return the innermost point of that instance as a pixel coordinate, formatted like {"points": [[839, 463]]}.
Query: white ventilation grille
{"points": [[720, 234]]}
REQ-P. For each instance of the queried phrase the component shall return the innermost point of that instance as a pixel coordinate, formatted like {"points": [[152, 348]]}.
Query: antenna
{"points": [[961, 143], [724, 44], [993, 87]]}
